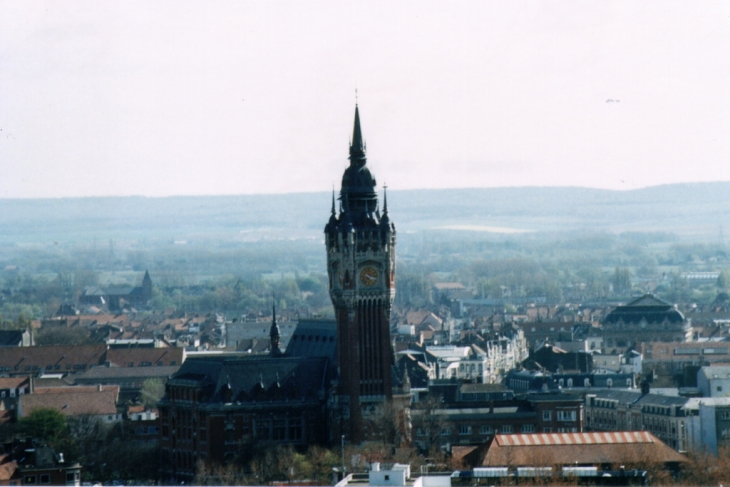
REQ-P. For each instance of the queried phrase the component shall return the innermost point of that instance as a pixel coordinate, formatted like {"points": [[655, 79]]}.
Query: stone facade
{"points": [[663, 416]]}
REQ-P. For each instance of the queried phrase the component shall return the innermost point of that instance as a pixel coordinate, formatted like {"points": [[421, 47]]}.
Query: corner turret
{"points": [[274, 335]]}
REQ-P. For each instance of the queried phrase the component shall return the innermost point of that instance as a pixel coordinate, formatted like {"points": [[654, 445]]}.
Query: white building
{"points": [[708, 423], [714, 381], [485, 365], [625, 363], [389, 474]]}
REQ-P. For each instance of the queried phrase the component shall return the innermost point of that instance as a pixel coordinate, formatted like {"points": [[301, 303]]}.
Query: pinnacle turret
{"points": [[385, 219], [274, 334], [357, 146]]}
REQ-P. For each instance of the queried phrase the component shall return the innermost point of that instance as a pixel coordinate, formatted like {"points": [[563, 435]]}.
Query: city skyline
{"points": [[167, 99]]}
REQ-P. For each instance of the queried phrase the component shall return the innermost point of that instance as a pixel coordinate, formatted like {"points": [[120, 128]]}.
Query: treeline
{"points": [[243, 278]]}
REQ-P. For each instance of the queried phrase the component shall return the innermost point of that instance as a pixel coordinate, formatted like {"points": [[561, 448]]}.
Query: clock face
{"points": [[368, 276]]}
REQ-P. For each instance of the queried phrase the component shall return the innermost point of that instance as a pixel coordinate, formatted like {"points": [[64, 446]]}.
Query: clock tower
{"points": [[360, 244]]}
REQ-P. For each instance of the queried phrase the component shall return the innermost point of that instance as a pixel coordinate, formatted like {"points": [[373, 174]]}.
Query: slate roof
{"points": [[314, 338], [638, 398], [624, 447], [249, 379], [648, 308]]}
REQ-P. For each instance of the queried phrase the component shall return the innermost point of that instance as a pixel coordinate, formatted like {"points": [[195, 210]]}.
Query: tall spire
{"points": [[357, 146], [385, 219], [274, 334]]}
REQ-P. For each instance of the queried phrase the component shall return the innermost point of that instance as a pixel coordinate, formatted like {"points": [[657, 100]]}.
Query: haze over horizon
{"points": [[186, 98]]}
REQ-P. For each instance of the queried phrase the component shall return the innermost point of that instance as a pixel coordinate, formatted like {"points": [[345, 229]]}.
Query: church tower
{"points": [[361, 266]]}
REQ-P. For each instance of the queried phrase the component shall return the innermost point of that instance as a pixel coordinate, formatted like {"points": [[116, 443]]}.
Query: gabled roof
{"points": [[560, 439], [13, 382], [71, 401], [625, 447], [64, 358]]}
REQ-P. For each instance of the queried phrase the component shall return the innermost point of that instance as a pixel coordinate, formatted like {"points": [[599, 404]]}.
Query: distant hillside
{"points": [[693, 210]]}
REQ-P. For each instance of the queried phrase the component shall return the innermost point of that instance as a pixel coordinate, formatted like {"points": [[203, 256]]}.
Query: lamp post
{"points": [[343, 456]]}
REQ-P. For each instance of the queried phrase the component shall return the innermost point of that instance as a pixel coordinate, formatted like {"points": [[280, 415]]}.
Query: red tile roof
{"points": [[8, 468], [12, 382], [62, 358], [71, 401], [576, 438], [626, 447], [123, 357]]}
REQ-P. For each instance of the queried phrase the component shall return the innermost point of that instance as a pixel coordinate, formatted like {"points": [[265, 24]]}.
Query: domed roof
{"points": [[359, 200], [357, 180], [648, 308]]}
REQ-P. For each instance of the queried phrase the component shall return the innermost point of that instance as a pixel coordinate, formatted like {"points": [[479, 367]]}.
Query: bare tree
{"points": [[429, 424]]}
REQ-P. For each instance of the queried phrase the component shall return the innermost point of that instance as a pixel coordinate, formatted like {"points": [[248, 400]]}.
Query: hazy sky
{"points": [[189, 98]]}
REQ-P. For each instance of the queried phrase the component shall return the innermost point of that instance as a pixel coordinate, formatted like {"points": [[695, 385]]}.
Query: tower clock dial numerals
{"points": [[368, 276]]}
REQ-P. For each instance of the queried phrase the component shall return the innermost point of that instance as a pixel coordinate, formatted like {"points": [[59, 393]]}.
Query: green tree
{"points": [[44, 424], [152, 391]]}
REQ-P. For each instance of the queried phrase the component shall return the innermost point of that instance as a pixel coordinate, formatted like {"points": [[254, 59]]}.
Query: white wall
{"points": [[435, 481]]}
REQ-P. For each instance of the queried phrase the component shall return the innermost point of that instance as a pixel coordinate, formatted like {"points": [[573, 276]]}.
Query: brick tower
{"points": [[361, 266]]}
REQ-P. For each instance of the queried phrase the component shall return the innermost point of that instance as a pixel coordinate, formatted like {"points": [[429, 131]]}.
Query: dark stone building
{"points": [[646, 319], [216, 406], [361, 266]]}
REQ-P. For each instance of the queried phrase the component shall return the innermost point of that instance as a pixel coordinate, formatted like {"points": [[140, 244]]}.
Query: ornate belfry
{"points": [[361, 266]]}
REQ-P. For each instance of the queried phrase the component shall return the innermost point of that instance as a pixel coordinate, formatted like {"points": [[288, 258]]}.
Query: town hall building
{"points": [[333, 374]]}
